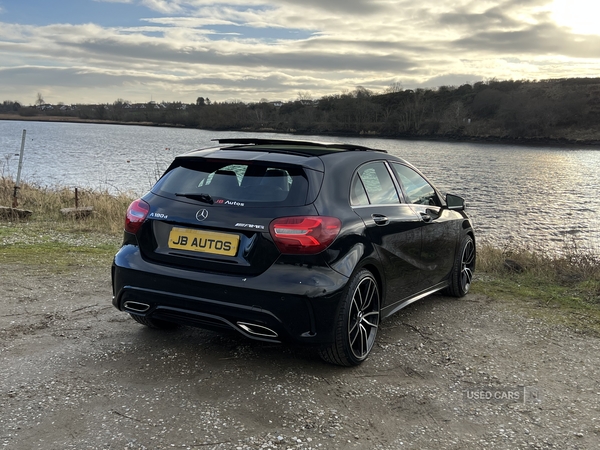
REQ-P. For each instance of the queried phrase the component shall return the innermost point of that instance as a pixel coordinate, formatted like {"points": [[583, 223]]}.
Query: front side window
{"points": [[373, 185], [418, 191]]}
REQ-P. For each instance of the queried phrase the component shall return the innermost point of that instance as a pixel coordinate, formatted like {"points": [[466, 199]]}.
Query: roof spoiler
{"points": [[328, 145]]}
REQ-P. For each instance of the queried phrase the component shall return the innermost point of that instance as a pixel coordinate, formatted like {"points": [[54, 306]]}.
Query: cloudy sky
{"points": [[88, 51]]}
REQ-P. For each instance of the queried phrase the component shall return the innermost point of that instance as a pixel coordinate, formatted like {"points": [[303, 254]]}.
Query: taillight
{"points": [[136, 214], [304, 234]]}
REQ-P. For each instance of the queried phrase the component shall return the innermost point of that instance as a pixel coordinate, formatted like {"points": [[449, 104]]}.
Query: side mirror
{"points": [[455, 202]]}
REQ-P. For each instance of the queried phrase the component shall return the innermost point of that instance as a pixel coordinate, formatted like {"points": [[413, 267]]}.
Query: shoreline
{"points": [[66, 119], [502, 140]]}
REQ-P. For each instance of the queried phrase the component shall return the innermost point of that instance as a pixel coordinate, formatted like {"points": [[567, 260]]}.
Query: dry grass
{"points": [[567, 278], [573, 264], [108, 210]]}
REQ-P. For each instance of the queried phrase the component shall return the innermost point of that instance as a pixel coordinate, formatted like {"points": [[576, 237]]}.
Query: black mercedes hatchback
{"points": [[312, 243]]}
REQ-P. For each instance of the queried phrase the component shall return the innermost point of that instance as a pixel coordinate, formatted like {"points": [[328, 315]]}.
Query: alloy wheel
{"points": [[363, 318], [467, 265]]}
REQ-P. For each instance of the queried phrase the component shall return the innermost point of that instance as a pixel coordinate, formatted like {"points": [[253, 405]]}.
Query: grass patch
{"points": [[58, 257], [550, 276], [57, 243], [55, 249], [561, 288]]}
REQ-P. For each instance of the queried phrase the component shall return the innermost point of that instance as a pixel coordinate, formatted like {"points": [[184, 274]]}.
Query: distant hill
{"points": [[560, 110]]}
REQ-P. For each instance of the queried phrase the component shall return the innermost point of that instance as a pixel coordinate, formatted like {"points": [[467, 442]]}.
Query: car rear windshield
{"points": [[219, 182]]}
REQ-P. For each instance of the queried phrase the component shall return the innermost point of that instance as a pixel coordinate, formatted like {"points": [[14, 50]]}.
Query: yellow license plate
{"points": [[204, 241]]}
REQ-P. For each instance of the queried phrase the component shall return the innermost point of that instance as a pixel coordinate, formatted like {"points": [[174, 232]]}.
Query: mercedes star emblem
{"points": [[202, 215]]}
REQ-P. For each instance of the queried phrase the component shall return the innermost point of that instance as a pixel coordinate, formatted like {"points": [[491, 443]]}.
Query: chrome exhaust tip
{"points": [[136, 307], [257, 330]]}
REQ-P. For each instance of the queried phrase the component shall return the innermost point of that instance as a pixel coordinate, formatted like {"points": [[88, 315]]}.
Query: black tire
{"points": [[154, 323], [357, 322], [461, 276]]}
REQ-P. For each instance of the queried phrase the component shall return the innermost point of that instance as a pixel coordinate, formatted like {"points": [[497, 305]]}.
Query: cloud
{"points": [[455, 79], [56, 83], [343, 7], [546, 39], [340, 7], [162, 6], [243, 49]]}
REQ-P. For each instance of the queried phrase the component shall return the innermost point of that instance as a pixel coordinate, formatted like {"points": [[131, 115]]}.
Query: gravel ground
{"points": [[77, 374]]}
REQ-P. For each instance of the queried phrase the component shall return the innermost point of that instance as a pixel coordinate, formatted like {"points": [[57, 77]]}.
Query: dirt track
{"points": [[76, 373]]}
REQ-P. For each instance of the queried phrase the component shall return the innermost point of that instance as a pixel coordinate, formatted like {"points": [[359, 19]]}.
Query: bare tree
{"points": [[394, 87], [362, 92], [304, 95], [40, 99], [454, 117], [413, 112]]}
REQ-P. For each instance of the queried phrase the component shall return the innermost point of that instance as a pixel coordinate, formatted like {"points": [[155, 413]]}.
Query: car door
{"points": [[439, 227], [393, 227]]}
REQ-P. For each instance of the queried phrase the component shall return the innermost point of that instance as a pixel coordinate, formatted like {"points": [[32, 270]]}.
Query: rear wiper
{"points": [[200, 197]]}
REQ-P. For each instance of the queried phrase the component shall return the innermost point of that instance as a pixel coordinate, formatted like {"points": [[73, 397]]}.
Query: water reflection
{"points": [[545, 198]]}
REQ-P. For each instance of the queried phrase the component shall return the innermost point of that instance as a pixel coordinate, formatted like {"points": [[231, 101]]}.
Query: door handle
{"points": [[426, 217], [380, 219]]}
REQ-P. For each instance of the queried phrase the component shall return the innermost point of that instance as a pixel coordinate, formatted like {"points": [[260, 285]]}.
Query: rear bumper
{"points": [[285, 303]]}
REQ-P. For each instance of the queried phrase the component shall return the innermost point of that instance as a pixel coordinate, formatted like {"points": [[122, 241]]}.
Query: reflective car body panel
{"points": [[281, 299], [398, 244], [439, 233]]}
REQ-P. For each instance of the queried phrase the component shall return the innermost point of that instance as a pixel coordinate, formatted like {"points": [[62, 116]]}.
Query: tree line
{"points": [[546, 109]]}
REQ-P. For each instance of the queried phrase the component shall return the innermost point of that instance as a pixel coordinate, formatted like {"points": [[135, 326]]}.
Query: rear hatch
{"points": [[212, 213]]}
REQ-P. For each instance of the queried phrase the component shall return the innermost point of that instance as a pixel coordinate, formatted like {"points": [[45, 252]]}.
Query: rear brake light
{"points": [[304, 234], [136, 214]]}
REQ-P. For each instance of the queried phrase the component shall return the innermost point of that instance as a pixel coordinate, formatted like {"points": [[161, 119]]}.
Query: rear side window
{"points": [[358, 194], [230, 183]]}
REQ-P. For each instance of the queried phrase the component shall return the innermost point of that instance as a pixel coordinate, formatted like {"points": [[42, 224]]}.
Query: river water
{"points": [[544, 198]]}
